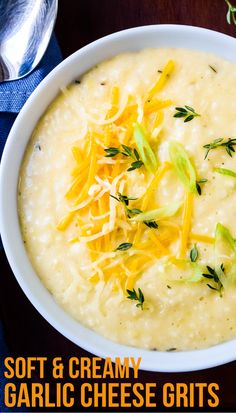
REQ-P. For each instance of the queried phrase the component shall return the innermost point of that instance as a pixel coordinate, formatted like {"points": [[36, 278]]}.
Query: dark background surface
{"points": [[80, 22]]}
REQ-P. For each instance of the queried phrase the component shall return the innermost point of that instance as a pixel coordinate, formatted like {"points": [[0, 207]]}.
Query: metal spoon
{"points": [[25, 30]]}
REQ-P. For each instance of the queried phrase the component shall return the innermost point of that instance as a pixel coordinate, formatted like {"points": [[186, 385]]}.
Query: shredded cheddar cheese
{"points": [[98, 176]]}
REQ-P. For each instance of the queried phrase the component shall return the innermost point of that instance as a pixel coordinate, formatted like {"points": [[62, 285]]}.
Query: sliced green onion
{"points": [[183, 166], [159, 213], [223, 232], [225, 253], [145, 151], [190, 271], [224, 171], [197, 273]]}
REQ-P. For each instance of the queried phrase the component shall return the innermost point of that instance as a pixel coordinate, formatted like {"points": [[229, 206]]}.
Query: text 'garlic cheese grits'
{"points": [[127, 199]]}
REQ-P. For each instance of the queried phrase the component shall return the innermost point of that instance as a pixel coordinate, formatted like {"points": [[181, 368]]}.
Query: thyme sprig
{"points": [[220, 142], [124, 199], [136, 296], [231, 13], [212, 275], [128, 152], [186, 112]]}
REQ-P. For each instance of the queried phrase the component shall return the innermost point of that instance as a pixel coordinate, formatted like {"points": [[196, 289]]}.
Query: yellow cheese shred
{"points": [[149, 193], [77, 154], [128, 111], [187, 217], [202, 238], [158, 119], [166, 166], [157, 242], [76, 184], [65, 221], [115, 97], [153, 105], [162, 79], [91, 174], [107, 135]]}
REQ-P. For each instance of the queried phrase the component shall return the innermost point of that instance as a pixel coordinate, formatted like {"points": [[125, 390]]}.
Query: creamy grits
{"points": [[127, 196]]}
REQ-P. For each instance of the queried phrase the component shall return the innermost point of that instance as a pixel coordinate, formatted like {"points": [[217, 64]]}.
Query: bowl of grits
{"points": [[117, 197]]}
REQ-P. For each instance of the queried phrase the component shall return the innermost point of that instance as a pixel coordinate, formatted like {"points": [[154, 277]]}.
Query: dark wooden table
{"points": [[80, 22]]}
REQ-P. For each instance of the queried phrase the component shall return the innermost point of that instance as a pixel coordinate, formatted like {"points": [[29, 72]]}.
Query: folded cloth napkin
{"points": [[13, 95]]}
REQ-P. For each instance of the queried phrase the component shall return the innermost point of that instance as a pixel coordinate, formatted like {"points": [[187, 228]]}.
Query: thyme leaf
{"points": [[198, 185], [186, 112], [110, 152], [136, 296], [135, 165], [151, 224], [134, 211], [194, 254], [124, 246]]}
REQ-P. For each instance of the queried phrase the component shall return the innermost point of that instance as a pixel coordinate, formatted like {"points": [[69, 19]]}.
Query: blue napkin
{"points": [[13, 95]]}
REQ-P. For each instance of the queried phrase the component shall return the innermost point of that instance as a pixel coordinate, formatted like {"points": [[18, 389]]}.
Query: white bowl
{"points": [[66, 72]]}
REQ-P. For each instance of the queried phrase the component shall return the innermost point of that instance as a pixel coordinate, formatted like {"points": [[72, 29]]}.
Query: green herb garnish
{"points": [[146, 153], [198, 185], [194, 253], [151, 224], [126, 151], [183, 166], [225, 252], [135, 165], [186, 112], [134, 211], [133, 295], [217, 143], [159, 213], [110, 152], [230, 16], [213, 275], [223, 232], [124, 246], [124, 199], [224, 171]]}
